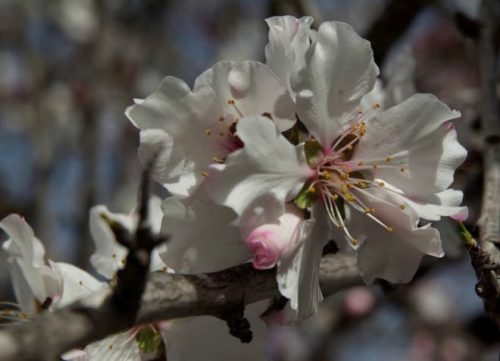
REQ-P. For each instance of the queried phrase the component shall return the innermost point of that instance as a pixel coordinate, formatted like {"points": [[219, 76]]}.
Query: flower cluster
{"points": [[267, 162]]}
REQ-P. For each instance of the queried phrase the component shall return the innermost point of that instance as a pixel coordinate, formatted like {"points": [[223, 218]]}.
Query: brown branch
{"points": [[167, 296], [392, 24], [485, 256]]}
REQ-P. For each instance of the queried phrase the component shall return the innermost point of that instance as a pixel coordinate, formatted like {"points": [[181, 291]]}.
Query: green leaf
{"points": [[313, 152]]}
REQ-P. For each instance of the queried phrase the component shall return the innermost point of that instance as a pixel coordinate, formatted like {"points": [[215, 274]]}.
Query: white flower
{"points": [[40, 285], [191, 129], [373, 174]]}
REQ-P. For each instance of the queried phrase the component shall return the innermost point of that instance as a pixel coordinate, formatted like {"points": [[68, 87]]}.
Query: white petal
{"points": [[170, 168], [22, 241], [413, 134], [188, 117], [120, 347], [298, 276], [201, 237], [32, 279], [256, 91], [75, 355], [109, 255], [173, 98], [393, 256], [443, 204], [77, 284], [208, 338], [174, 167], [32, 285], [268, 164], [375, 96], [339, 71], [288, 43]]}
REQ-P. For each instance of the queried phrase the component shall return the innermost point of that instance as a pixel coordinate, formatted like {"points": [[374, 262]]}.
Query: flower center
{"points": [[337, 182]]}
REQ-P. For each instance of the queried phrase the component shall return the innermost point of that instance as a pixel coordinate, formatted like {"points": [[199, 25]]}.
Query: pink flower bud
{"points": [[269, 242]]}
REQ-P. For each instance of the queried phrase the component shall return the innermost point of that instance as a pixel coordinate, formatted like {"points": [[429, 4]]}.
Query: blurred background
{"points": [[69, 68]]}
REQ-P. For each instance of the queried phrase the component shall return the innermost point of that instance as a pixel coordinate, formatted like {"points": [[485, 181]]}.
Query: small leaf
{"points": [[313, 152]]}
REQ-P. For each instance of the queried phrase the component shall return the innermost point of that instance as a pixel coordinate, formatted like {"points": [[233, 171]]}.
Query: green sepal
{"points": [[148, 340], [466, 236], [313, 150], [306, 196]]}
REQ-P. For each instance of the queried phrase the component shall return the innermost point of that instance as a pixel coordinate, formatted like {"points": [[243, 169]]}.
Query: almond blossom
{"points": [[190, 131], [368, 174]]}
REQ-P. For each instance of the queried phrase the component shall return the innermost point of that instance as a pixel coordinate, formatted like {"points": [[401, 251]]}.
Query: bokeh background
{"points": [[69, 68]]}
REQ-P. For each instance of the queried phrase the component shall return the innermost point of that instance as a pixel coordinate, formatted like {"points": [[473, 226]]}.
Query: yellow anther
{"points": [[208, 131], [311, 189], [381, 183], [362, 129], [354, 242], [388, 159], [326, 175], [350, 185], [335, 197], [164, 269], [376, 106], [367, 210], [362, 185], [350, 147], [389, 229], [216, 159], [349, 197], [372, 210], [402, 206], [230, 102], [205, 174]]}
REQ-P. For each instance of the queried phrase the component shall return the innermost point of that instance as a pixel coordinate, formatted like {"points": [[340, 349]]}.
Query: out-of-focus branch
{"points": [[296, 8], [167, 296], [486, 255], [392, 24], [490, 117]]}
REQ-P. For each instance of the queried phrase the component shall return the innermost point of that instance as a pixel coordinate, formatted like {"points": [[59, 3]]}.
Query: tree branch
{"points": [[485, 256], [167, 296]]}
